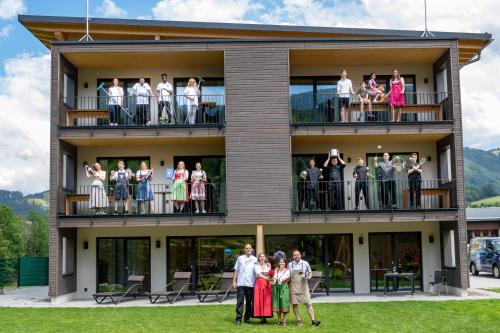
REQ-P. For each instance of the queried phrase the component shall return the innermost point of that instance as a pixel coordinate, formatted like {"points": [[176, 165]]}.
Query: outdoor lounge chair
{"points": [[316, 281], [226, 284], [180, 285], [133, 287]]}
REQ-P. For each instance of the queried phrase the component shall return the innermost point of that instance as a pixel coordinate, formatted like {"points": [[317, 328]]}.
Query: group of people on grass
{"points": [[373, 93], [180, 194], [266, 289]]}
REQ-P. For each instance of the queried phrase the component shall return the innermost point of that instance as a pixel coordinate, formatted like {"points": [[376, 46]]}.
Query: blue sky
{"points": [[24, 61]]}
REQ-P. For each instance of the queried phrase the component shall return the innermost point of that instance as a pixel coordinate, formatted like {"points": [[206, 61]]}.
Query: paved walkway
{"points": [[37, 297], [484, 281]]}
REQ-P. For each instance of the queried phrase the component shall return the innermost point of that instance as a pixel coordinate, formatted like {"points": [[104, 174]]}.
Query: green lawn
{"points": [[449, 316], [496, 290], [486, 202]]}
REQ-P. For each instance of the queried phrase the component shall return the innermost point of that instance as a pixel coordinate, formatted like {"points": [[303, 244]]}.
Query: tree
{"points": [[11, 234], [37, 234]]}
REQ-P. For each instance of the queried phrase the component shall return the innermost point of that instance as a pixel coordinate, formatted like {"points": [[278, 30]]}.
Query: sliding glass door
{"points": [[118, 258], [401, 250]]}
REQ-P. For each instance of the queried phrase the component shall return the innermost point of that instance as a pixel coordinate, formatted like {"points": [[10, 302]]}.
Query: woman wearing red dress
{"points": [[397, 95], [262, 303]]}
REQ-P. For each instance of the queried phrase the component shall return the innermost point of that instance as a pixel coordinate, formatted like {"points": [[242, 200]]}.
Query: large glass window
{"points": [[117, 258], [401, 250], [212, 256], [313, 98], [329, 254]]}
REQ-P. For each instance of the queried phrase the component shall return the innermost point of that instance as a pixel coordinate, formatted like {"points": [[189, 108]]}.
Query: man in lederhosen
{"points": [[243, 282], [122, 178], [299, 288]]}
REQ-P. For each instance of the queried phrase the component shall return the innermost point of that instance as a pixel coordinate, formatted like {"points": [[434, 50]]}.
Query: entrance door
{"points": [[117, 258], [401, 250]]}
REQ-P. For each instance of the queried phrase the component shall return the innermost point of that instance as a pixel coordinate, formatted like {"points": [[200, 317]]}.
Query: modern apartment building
{"points": [[268, 105]]}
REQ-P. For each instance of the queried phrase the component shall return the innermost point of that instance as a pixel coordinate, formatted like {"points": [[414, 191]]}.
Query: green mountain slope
{"points": [[482, 173], [22, 205]]}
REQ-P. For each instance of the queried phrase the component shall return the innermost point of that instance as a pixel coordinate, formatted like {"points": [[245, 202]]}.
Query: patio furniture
{"points": [[180, 285], [438, 282], [133, 287], [395, 275], [226, 284], [316, 281]]}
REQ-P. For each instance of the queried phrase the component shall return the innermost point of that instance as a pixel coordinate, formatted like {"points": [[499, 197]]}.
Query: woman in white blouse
{"points": [[344, 90], [180, 193], [198, 180], [98, 199], [192, 92]]}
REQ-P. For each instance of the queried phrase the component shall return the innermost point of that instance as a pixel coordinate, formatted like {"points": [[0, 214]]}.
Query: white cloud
{"points": [[108, 8], [10, 8], [202, 10], [5, 31], [24, 143]]}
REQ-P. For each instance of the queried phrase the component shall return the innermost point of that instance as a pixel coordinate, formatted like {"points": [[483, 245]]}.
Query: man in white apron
{"points": [[299, 288], [243, 282]]}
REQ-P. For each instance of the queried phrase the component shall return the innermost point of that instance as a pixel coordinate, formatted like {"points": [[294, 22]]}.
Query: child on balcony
{"points": [[363, 99]]}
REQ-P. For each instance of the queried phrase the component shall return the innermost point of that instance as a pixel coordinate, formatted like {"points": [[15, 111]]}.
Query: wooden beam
{"points": [[259, 239], [60, 35]]}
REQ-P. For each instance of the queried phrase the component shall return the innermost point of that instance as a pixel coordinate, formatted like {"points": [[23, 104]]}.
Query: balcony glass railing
{"points": [[373, 195], [89, 200], [133, 111], [324, 108]]}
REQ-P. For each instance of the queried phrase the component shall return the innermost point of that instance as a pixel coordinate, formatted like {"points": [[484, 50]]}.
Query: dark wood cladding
{"points": [[257, 135]]}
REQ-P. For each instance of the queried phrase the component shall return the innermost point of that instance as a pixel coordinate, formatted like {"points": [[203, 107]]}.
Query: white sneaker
{"points": [[197, 211], [204, 211]]}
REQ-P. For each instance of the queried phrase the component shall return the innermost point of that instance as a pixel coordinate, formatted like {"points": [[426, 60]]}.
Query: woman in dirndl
{"points": [[397, 93], [180, 193], [98, 199], [262, 290], [198, 180], [144, 190], [281, 292]]}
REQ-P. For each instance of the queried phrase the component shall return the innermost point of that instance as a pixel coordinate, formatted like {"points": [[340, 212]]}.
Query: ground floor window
{"points": [[401, 250], [118, 258], [330, 254], [205, 257]]}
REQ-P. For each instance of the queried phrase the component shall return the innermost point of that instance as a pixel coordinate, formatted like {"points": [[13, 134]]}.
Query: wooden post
{"points": [[259, 239]]}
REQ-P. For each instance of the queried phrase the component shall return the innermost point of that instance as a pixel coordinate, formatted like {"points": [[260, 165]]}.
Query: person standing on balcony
{"points": [[115, 103], [198, 181], [243, 282], [142, 92], [262, 303], [122, 178], [344, 90], [363, 99], [361, 175], [314, 175], [180, 194], [192, 93], [335, 167], [144, 176], [164, 92], [414, 170], [397, 98], [98, 198], [299, 287], [388, 184]]}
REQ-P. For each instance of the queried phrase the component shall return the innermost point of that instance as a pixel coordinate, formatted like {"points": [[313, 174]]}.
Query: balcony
{"points": [[340, 197], [78, 202], [148, 112], [320, 109]]}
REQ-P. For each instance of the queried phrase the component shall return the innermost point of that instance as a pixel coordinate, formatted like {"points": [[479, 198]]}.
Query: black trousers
{"points": [[361, 186], [389, 194], [168, 110], [114, 114], [142, 114], [415, 184], [312, 197], [244, 295], [335, 195]]}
